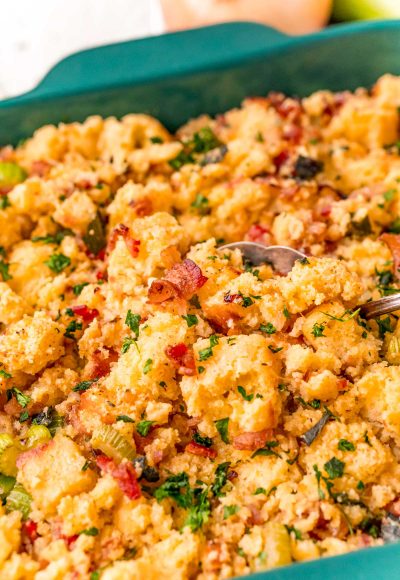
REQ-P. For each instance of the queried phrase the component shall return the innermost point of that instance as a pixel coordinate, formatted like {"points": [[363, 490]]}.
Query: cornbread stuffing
{"points": [[167, 408]]}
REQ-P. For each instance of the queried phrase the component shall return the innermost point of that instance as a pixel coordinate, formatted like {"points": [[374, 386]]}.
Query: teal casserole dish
{"points": [[209, 70]]}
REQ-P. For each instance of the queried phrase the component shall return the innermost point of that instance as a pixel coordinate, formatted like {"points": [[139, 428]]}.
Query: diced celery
{"points": [[6, 485], [19, 500], [11, 174], [112, 443]]}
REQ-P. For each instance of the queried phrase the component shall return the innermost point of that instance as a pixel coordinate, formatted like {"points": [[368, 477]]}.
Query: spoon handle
{"points": [[379, 307]]}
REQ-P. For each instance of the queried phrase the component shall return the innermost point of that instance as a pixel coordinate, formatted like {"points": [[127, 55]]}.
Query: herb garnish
{"points": [[222, 428], [21, 398], [143, 427], [245, 396], [58, 262], [267, 450]]}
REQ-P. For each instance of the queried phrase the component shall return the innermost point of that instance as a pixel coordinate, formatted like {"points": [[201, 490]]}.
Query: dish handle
{"points": [[145, 60]]}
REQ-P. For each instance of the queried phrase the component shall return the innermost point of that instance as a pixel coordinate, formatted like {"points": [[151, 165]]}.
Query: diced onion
{"points": [[19, 500]]}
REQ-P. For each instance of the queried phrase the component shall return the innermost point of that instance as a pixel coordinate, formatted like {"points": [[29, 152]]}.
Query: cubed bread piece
{"points": [[52, 471], [239, 361], [31, 344]]}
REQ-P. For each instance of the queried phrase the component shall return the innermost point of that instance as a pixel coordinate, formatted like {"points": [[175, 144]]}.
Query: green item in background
{"points": [[365, 9]]}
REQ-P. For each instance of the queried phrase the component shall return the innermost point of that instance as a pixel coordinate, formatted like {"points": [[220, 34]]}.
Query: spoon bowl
{"points": [[283, 258]]}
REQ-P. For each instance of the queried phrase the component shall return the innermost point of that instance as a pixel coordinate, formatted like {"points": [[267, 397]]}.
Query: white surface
{"points": [[36, 34]]}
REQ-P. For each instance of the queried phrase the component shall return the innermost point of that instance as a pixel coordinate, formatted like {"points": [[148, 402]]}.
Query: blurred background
{"points": [[36, 35]]}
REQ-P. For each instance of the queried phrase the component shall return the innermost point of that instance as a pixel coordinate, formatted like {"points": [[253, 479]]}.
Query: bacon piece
{"points": [[143, 207], [293, 133], [258, 233], [124, 474], [99, 363], [251, 440], [201, 450], [183, 358], [285, 106], [123, 231], [256, 518], [40, 168], [180, 281], [281, 159], [393, 243], [30, 529], [101, 275], [233, 298], [394, 508], [87, 314]]}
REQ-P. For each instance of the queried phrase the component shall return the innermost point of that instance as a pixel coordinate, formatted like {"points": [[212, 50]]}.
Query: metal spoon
{"points": [[283, 258]]}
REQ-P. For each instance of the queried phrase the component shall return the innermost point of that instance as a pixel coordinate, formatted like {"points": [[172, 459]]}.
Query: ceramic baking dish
{"points": [[209, 70]]}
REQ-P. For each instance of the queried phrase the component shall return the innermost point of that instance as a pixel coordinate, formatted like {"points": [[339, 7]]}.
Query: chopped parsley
{"points": [[345, 445], [24, 416], [191, 320], [230, 510], [72, 327], [268, 328], [222, 428], [4, 271], [201, 370], [127, 342], [4, 202], [275, 349], [133, 321], [20, 397], [5, 374], [89, 532], [245, 396], [156, 139], [394, 227], [53, 239], [384, 325], [58, 262], [221, 477], [202, 440], [201, 204], [77, 289], [84, 385], [318, 329], [205, 353], [147, 366], [260, 490], [292, 530], [267, 450], [124, 418], [143, 427], [334, 468]]}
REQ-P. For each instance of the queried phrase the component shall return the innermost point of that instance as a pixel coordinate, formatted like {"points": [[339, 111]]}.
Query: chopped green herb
{"points": [[24, 416], [125, 419], [20, 397], [221, 477], [156, 139], [201, 204], [56, 238], [191, 319], [177, 488], [205, 353], [334, 468], [4, 202], [77, 289], [230, 510], [295, 531], [268, 328], [318, 329], [366, 439], [346, 316], [202, 440], [199, 511], [274, 349], [318, 476], [58, 262], [286, 312], [143, 427], [84, 386], [194, 301], [180, 160], [147, 366], [222, 426], [4, 374], [133, 321], [384, 325], [4, 271], [345, 445], [267, 450], [394, 227], [361, 228], [72, 327], [90, 532], [201, 370], [260, 490], [127, 342], [360, 485], [259, 137], [245, 396]]}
